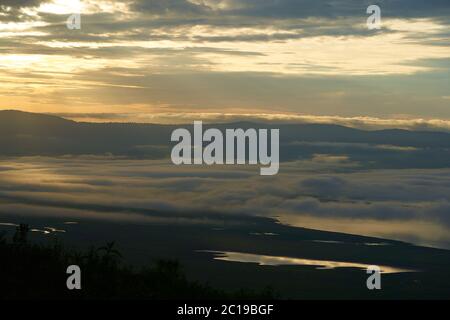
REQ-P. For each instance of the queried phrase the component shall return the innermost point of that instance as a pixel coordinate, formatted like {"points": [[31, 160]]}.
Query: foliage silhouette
{"points": [[38, 271]]}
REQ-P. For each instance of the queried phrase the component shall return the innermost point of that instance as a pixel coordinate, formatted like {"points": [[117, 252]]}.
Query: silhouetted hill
{"points": [[24, 133], [17, 122]]}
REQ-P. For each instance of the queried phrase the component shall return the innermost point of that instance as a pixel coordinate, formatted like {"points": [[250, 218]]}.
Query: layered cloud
{"points": [[368, 123], [408, 204], [283, 56]]}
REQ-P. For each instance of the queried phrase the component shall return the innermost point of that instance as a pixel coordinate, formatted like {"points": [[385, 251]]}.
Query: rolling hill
{"points": [[25, 134]]}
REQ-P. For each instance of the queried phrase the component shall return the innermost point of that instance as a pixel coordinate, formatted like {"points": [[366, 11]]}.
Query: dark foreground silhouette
{"points": [[38, 271]]}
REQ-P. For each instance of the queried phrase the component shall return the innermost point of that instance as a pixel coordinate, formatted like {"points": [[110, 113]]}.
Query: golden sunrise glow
{"points": [[72, 68]]}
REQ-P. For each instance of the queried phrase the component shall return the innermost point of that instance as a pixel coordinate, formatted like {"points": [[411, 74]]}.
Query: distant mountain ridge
{"points": [[23, 133]]}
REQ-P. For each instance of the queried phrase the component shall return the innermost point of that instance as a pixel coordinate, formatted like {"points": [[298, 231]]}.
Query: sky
{"points": [[179, 60]]}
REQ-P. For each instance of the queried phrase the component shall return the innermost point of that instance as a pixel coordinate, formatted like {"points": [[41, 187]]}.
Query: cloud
{"points": [[248, 57], [294, 8], [158, 190], [21, 3], [170, 7], [361, 122]]}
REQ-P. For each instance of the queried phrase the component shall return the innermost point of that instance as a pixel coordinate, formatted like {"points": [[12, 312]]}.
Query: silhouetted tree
{"points": [[3, 237], [21, 235], [104, 275]]}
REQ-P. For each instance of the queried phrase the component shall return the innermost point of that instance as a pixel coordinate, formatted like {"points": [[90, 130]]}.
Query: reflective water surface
{"points": [[265, 260]]}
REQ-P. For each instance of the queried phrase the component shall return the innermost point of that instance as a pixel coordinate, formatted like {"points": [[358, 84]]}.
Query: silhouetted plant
{"points": [[111, 255], [21, 235], [31, 271], [3, 237], [169, 268]]}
